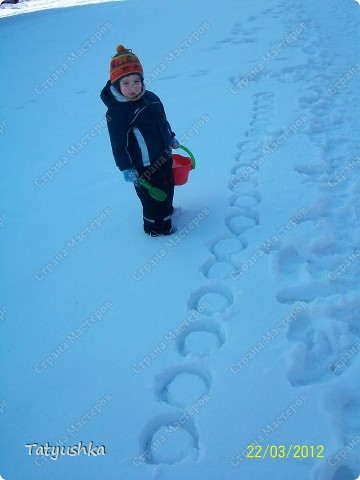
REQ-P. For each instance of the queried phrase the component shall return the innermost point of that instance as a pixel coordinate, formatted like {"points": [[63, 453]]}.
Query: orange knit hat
{"points": [[123, 63]]}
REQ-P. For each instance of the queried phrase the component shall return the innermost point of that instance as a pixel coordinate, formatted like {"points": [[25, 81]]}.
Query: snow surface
{"points": [[243, 328], [29, 6]]}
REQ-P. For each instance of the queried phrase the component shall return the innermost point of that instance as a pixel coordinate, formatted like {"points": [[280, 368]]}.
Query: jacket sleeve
{"points": [[160, 115], [172, 134], [165, 128], [118, 131]]}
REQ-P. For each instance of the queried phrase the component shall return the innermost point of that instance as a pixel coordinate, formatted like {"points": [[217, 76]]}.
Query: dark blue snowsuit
{"points": [[140, 137]]}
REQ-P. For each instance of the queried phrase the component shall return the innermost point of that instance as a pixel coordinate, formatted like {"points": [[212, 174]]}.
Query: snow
{"points": [[29, 6], [241, 329]]}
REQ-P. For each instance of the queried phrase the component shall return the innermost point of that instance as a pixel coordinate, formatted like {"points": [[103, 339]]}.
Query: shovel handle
{"points": [[154, 192]]}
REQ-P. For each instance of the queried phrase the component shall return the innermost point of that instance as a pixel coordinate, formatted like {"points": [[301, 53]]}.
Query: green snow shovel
{"points": [[154, 192]]}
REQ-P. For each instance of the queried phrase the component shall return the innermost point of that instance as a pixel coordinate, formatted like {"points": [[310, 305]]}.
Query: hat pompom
{"points": [[120, 48]]}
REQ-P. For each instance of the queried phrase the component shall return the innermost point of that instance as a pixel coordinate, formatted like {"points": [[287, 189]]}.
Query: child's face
{"points": [[131, 86]]}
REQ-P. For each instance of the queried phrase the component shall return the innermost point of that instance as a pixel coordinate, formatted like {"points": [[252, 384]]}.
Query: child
{"points": [[141, 138]]}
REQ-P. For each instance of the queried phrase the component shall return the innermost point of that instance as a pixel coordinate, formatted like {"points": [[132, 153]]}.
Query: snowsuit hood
{"points": [[107, 95], [110, 93]]}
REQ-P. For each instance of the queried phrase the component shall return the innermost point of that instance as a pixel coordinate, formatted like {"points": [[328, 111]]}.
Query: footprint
{"points": [[200, 73], [240, 186], [211, 300], [201, 339], [262, 100], [237, 29], [226, 246], [183, 385], [245, 40], [168, 439], [258, 124], [244, 173], [244, 144], [169, 77], [267, 11], [214, 269], [251, 31], [307, 100], [240, 222], [239, 169], [310, 49], [288, 261], [20, 107], [247, 155], [246, 200], [289, 74], [224, 40]]}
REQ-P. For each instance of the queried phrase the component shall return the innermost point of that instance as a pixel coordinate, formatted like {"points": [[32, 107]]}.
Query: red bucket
{"points": [[181, 168]]}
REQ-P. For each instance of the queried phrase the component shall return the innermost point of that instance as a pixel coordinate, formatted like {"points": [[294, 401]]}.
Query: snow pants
{"points": [[157, 214]]}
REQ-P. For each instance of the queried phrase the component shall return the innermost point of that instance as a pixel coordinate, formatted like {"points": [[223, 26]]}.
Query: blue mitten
{"points": [[131, 175], [174, 143]]}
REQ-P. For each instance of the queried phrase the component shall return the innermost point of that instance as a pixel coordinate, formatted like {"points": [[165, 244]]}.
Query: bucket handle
{"points": [[193, 163]]}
